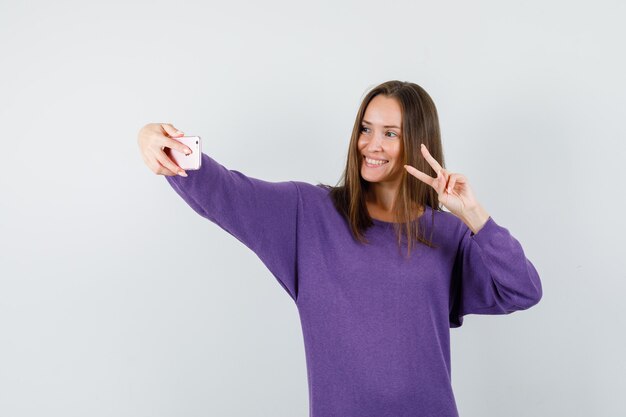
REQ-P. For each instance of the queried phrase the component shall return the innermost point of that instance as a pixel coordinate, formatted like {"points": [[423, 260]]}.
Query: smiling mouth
{"points": [[374, 162]]}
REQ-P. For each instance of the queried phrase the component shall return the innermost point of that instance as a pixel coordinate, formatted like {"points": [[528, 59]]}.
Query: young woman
{"points": [[379, 273]]}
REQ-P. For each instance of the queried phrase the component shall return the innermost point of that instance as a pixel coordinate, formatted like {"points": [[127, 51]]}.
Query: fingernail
{"points": [[187, 152], [179, 133], [182, 173]]}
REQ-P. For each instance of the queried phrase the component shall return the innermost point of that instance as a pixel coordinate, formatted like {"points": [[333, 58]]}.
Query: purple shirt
{"points": [[376, 325]]}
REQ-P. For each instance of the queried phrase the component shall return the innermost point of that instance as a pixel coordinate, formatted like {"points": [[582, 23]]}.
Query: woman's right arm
{"points": [[260, 214]]}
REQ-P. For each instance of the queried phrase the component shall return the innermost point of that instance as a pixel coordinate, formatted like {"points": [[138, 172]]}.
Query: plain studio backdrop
{"points": [[117, 299]]}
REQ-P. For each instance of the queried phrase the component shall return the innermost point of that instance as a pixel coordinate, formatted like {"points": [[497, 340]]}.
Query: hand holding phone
{"points": [[186, 162]]}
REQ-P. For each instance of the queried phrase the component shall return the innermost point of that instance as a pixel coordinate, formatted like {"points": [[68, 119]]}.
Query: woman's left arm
{"points": [[491, 274]]}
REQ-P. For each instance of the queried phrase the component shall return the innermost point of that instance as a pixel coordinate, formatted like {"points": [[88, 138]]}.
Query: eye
{"points": [[364, 128]]}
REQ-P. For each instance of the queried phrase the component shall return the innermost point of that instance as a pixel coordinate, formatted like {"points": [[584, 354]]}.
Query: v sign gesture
{"points": [[453, 191]]}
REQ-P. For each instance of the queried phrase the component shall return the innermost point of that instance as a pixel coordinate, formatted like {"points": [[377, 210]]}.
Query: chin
{"points": [[373, 178], [367, 175]]}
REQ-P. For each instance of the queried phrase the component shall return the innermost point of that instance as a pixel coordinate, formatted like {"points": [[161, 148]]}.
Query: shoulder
{"points": [[448, 228], [317, 203], [447, 219], [310, 192]]}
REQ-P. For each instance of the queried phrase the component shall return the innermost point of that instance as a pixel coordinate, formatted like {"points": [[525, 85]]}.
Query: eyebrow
{"points": [[366, 122]]}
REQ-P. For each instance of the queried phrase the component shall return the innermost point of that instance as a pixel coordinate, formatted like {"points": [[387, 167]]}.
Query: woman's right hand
{"points": [[153, 138]]}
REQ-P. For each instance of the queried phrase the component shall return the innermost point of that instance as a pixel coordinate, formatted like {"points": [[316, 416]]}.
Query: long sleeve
{"points": [[260, 214], [491, 275]]}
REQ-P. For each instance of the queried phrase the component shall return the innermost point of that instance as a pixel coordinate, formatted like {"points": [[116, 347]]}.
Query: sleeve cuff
{"points": [[488, 228]]}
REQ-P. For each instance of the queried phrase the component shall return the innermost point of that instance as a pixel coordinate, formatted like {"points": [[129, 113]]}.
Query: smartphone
{"points": [[186, 162]]}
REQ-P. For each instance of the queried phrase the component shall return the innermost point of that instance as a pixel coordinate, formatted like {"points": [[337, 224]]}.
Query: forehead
{"points": [[383, 111]]}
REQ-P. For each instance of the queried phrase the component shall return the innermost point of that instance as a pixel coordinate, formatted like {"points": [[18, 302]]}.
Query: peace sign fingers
{"points": [[429, 158], [453, 189], [421, 176], [437, 183]]}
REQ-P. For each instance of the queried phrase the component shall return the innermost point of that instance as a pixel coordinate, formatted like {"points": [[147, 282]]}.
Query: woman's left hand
{"points": [[454, 192]]}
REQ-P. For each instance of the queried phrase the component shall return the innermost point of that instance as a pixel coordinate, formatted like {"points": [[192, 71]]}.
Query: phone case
{"points": [[191, 161]]}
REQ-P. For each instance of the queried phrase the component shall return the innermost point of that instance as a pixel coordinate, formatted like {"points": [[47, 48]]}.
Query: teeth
{"points": [[375, 162]]}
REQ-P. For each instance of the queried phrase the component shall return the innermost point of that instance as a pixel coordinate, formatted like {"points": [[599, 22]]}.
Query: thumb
{"points": [[171, 130]]}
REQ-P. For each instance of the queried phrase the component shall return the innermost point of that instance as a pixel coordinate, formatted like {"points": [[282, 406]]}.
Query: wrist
{"points": [[475, 218]]}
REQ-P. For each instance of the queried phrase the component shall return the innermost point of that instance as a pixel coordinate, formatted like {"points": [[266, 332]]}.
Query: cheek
{"points": [[395, 152]]}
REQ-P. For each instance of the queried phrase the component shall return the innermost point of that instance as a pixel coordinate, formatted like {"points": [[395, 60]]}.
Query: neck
{"points": [[382, 195], [380, 200]]}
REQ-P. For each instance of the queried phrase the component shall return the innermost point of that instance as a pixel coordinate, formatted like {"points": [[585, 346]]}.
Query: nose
{"points": [[375, 143]]}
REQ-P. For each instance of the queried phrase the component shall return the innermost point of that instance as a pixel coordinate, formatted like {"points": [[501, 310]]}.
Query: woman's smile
{"points": [[374, 163]]}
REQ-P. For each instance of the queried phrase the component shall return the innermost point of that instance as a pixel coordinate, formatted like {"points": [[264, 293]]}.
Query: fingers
{"points": [[442, 180], [438, 183], [171, 130], [168, 166], [153, 139], [459, 179], [443, 176], [174, 144], [429, 158], [420, 175], [156, 167], [452, 182], [161, 170], [168, 131]]}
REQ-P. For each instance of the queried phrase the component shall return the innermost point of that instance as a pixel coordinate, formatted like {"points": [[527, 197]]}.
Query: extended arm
{"points": [[260, 214]]}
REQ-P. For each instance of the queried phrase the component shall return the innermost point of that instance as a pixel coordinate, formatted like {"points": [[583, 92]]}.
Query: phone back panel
{"points": [[186, 162]]}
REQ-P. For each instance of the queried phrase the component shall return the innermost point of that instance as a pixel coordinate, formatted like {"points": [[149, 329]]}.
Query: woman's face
{"points": [[380, 140]]}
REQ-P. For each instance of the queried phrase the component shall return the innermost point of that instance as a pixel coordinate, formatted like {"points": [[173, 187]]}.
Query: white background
{"points": [[117, 299]]}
